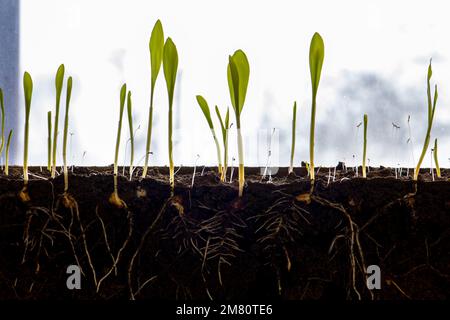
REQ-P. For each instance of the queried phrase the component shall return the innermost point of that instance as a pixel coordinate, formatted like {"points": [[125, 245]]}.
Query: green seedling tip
{"points": [[59, 78], [8, 143], [238, 74], [364, 147], [66, 131], [224, 126], [156, 46], [205, 109], [316, 56], [431, 110], [2, 109], [28, 92], [294, 123], [170, 65], [130, 126], [436, 161]]}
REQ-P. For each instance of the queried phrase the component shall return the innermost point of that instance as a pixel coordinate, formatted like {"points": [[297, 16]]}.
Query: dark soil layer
{"points": [[205, 242]]}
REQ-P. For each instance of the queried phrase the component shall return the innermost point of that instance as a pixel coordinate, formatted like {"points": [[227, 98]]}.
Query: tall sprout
{"points": [[156, 46], [316, 56], [170, 65], [58, 85], [28, 92], [238, 73], [8, 142], [294, 122], [431, 109], [114, 198], [66, 131], [49, 141], [436, 162], [2, 110], [130, 125], [224, 128], [364, 147], [205, 109]]}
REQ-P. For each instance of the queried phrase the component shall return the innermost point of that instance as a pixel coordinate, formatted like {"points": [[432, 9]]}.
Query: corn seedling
{"points": [[114, 198], [431, 109], [294, 121], [58, 85], [8, 142], [49, 140], [436, 162], [238, 73], [2, 110], [170, 66], [316, 56], [364, 147], [205, 109], [66, 130], [130, 125], [156, 47], [224, 127], [28, 92]]}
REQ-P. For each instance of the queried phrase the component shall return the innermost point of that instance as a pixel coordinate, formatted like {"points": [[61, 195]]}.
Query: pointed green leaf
{"points": [[222, 125], [68, 92], [170, 64], [227, 119], [156, 46], [27, 90], [205, 108], [238, 74], [59, 82], [316, 55], [123, 92]]}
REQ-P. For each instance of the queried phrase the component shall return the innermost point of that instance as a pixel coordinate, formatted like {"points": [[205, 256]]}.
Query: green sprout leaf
{"points": [[316, 56], [7, 152], [294, 123], [66, 132], [28, 92], [156, 47], [59, 78], [2, 109], [130, 126], [238, 74], [436, 161], [170, 65], [205, 109]]}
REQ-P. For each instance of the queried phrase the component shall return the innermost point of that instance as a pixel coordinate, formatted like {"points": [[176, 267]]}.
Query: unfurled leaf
{"points": [[205, 109], [156, 47]]}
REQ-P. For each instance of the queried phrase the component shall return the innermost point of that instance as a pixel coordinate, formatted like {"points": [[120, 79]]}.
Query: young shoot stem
{"points": [[114, 198], [205, 109], [170, 66], [364, 147], [238, 73], [49, 141], [2, 110], [431, 110], [8, 142], [28, 92], [294, 121], [316, 56], [58, 85], [130, 125], [224, 128], [436, 162], [66, 131], [156, 47]]}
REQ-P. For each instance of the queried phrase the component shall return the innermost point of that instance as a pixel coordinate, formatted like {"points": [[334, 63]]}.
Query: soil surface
{"points": [[279, 241]]}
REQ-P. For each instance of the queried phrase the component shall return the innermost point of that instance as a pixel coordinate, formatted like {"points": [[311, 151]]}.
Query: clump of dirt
{"points": [[277, 241]]}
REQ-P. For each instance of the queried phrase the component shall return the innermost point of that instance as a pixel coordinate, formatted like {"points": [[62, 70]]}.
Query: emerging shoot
{"points": [[7, 152], [436, 162], [66, 131], [28, 92], [58, 85], [316, 56], [205, 109], [49, 141], [224, 127], [364, 147], [114, 198], [156, 46], [294, 121], [238, 73], [431, 109], [2, 110], [130, 125], [170, 65]]}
